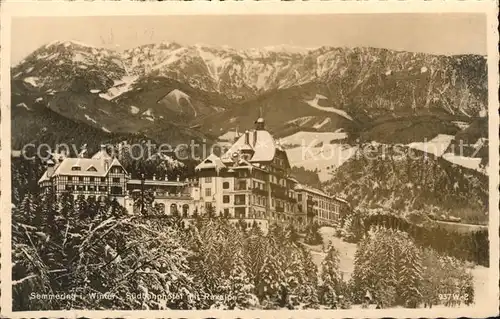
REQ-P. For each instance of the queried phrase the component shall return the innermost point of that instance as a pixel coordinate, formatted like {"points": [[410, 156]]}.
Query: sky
{"points": [[449, 33]]}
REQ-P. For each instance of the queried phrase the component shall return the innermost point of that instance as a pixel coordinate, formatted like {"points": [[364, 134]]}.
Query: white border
{"points": [[111, 8]]}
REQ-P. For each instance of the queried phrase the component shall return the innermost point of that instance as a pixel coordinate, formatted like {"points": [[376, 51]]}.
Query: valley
{"points": [[325, 106]]}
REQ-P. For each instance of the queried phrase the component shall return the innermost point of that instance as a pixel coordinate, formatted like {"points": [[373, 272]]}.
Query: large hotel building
{"points": [[252, 181]]}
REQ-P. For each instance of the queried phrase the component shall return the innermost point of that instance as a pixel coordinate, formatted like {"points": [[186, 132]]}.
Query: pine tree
{"points": [[241, 291], [313, 236], [330, 276], [410, 275]]}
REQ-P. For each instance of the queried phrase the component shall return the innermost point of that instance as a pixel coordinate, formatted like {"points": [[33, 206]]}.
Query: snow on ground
{"points": [[436, 146], [312, 138], [95, 91], [33, 80], [29, 69], [300, 121], [325, 158], [314, 103], [106, 130], [468, 162], [78, 57], [23, 105], [120, 86], [134, 109], [323, 123], [39, 99], [481, 289], [148, 115], [461, 125], [423, 69], [228, 136], [90, 119], [178, 94], [346, 251]]}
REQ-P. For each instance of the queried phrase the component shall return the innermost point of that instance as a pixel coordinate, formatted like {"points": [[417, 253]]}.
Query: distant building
{"points": [[317, 205], [171, 197], [98, 176], [252, 181]]}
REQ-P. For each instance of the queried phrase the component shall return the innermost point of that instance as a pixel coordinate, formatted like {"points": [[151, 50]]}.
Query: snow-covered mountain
{"points": [[366, 93], [454, 84]]}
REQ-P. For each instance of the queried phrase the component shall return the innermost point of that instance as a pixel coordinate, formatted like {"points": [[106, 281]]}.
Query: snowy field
{"points": [[312, 138], [436, 146], [348, 250], [325, 158]]}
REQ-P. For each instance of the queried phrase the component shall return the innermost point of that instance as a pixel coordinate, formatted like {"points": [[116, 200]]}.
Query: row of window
{"points": [[91, 179], [328, 215], [322, 204], [93, 188]]}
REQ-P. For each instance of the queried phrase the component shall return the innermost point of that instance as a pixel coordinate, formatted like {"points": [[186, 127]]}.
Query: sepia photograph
{"points": [[224, 162]]}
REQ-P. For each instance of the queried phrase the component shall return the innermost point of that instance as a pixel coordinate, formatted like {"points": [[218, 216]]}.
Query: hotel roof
{"points": [[261, 143], [82, 167]]}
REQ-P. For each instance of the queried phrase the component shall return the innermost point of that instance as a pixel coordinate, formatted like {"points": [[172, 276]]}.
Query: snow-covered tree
{"points": [[330, 277]]}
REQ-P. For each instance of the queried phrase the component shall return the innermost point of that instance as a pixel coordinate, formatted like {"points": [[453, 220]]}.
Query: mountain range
{"points": [[175, 93]]}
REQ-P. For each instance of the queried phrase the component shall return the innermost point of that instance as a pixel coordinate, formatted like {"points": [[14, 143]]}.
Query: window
{"points": [[225, 185], [116, 179], [239, 199], [185, 210], [226, 212], [242, 184], [225, 199], [76, 168], [92, 169], [92, 179], [208, 192], [208, 179], [103, 188], [69, 187], [91, 188], [173, 210], [80, 178], [116, 190], [70, 178], [116, 170], [80, 188], [103, 179], [273, 203]]}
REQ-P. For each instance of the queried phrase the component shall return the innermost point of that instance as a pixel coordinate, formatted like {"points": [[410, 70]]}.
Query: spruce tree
{"points": [[330, 277]]}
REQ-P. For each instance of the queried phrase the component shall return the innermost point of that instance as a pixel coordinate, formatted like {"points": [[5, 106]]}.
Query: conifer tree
{"points": [[330, 276], [410, 279]]}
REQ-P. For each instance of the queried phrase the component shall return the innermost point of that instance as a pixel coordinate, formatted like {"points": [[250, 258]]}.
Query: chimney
{"points": [[50, 167], [236, 134], [103, 148], [247, 137], [154, 177], [106, 165]]}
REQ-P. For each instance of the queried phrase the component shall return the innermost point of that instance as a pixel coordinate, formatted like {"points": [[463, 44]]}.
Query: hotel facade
{"points": [[252, 182]]}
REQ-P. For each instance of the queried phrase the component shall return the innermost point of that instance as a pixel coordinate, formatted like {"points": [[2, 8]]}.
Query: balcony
{"points": [[280, 209]]}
